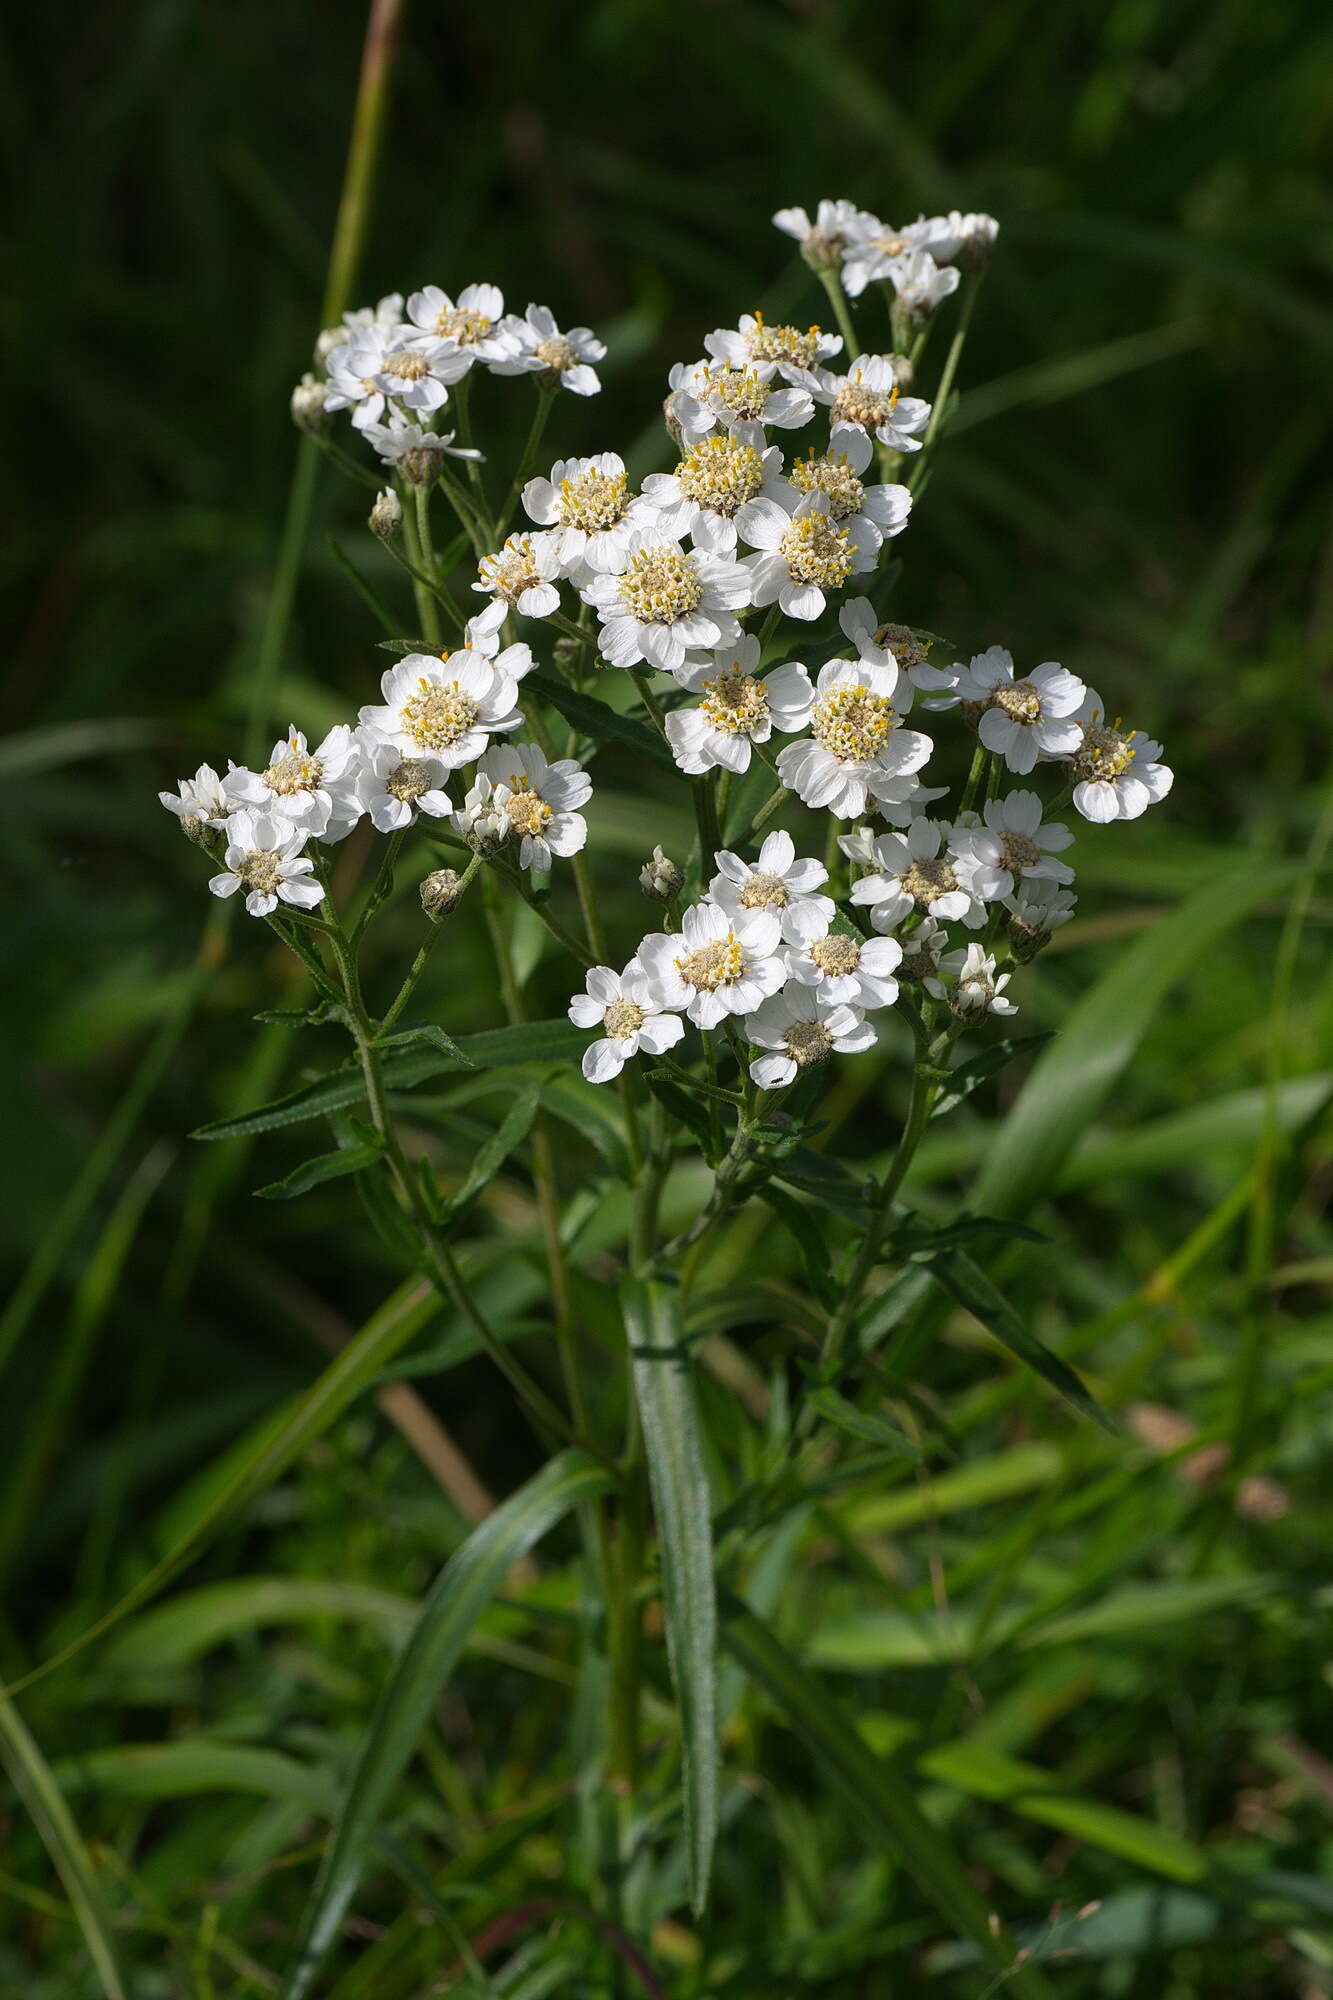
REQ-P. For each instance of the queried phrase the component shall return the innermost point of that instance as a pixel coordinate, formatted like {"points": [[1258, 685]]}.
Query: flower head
{"points": [[535, 802], [792, 350], [1024, 719], [801, 1028], [472, 327], [869, 398], [921, 869], [716, 964], [776, 881], [446, 707], [666, 601], [589, 511], [920, 287], [1117, 773], [200, 801], [978, 989], [823, 241], [264, 858], [804, 553], [842, 967], [715, 395], [518, 577], [394, 788], [418, 454], [857, 749], [1009, 844], [312, 788], [559, 360], [740, 706], [708, 494], [628, 1008], [872, 248]]}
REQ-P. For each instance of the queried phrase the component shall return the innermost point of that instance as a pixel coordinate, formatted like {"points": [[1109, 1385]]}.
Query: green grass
{"points": [[1088, 1673]]}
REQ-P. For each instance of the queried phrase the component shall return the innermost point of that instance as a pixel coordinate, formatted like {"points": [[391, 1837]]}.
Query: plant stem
{"points": [[432, 938], [527, 463], [945, 388], [841, 311]]}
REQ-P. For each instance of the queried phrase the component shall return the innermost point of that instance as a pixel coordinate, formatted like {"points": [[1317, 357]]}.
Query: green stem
{"points": [[527, 463], [426, 549], [945, 388], [974, 778], [372, 101], [841, 311], [419, 963]]}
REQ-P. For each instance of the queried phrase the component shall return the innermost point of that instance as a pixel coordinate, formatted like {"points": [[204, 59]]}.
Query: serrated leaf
{"points": [[412, 1692], [863, 1424], [968, 1283], [599, 720], [664, 1393], [327, 1167]]}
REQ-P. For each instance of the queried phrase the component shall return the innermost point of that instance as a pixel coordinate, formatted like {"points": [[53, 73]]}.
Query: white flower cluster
{"points": [[689, 577]]}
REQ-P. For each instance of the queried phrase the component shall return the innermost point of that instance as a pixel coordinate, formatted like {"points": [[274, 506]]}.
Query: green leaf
{"points": [[512, 1130], [980, 1483], [185, 1770], [599, 720], [590, 1109], [35, 1783], [961, 1082], [432, 1036], [881, 1795], [326, 1167], [181, 1631], [1071, 1081], [664, 1392], [864, 1424], [460, 1594], [968, 1283], [808, 1232]]}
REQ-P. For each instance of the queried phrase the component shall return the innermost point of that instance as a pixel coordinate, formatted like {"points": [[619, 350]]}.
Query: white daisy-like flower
{"points": [[1009, 844], [515, 660], [1021, 720], [386, 316], [857, 749], [589, 511], [836, 473], [375, 373], [776, 881], [713, 395], [1036, 908], [804, 553], [563, 360], [393, 788], [313, 788], [872, 248], [199, 800], [445, 708], [716, 964], [921, 285], [537, 802], [920, 869], [740, 706], [519, 577], [481, 819], [473, 325], [627, 1007], [801, 1028], [846, 969], [793, 350], [868, 398], [1117, 773], [822, 240], [961, 239], [715, 480], [923, 949], [415, 450], [885, 645], [977, 989], [264, 858], [666, 602]]}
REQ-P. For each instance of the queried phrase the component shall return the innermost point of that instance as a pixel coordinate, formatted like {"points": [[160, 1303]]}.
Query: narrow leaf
{"points": [[961, 1082], [864, 1424], [327, 1167], [599, 720], [512, 1130], [969, 1284], [664, 1392], [461, 1593], [433, 1036]]}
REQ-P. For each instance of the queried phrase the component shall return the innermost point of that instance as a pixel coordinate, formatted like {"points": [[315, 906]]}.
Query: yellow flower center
{"points": [[925, 880], [622, 1018], [409, 781], [713, 965], [259, 869], [808, 1042], [464, 327], [1019, 700], [660, 585], [817, 550], [836, 955], [527, 810], [439, 714], [593, 500], [739, 393], [831, 475], [406, 365], [734, 702], [1104, 753], [764, 892], [512, 571], [721, 474], [857, 404], [783, 343], [293, 772], [556, 352], [852, 722]]}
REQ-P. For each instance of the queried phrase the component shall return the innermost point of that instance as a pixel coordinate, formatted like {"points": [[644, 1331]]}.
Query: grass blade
{"points": [[968, 1283], [461, 1593], [665, 1396]]}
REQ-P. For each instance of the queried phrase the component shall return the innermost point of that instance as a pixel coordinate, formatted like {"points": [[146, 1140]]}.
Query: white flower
{"points": [[920, 284], [961, 239], [868, 397], [977, 990], [373, 368], [481, 820], [515, 660], [446, 708], [406, 444], [393, 788], [628, 1007], [717, 964], [472, 326], [666, 602], [793, 350], [712, 395], [837, 475], [264, 858], [805, 553], [887, 645], [802, 1028], [1009, 843], [1027, 719], [712, 485], [518, 577], [777, 881], [1116, 772], [386, 316], [1036, 908], [846, 969], [562, 359], [919, 869], [740, 706], [823, 240], [589, 510], [858, 749], [312, 788], [536, 801], [200, 798], [923, 949], [872, 248]]}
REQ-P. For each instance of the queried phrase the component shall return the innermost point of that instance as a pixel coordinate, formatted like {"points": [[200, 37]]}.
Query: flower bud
{"points": [[822, 251], [660, 878], [332, 336], [386, 516], [440, 891], [420, 465], [308, 406], [672, 422]]}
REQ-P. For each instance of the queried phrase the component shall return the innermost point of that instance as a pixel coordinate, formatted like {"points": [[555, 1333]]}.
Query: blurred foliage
{"points": [[1136, 484]]}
